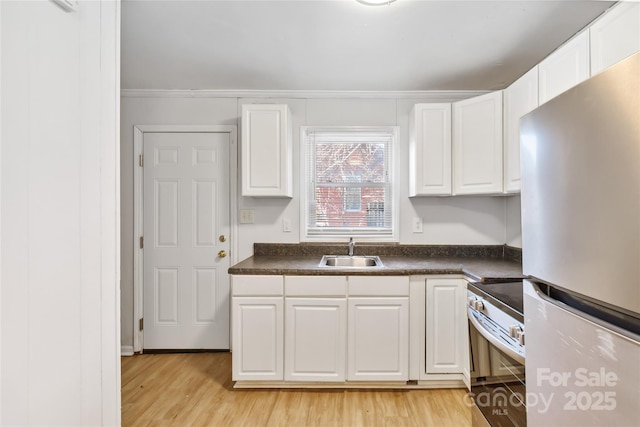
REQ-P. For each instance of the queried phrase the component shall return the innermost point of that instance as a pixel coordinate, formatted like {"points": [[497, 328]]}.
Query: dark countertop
{"points": [[480, 263]]}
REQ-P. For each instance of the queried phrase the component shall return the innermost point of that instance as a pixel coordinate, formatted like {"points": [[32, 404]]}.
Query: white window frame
{"points": [[304, 185]]}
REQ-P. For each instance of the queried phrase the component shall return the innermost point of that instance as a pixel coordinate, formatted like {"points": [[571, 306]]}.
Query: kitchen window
{"points": [[348, 182]]}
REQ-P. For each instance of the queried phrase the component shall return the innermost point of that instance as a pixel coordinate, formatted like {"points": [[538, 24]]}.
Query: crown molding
{"points": [[431, 95]]}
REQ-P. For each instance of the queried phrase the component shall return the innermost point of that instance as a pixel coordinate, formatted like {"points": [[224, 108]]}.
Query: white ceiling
{"points": [[342, 44]]}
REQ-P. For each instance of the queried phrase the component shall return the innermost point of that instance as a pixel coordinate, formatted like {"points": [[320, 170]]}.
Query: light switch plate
{"points": [[247, 216]]}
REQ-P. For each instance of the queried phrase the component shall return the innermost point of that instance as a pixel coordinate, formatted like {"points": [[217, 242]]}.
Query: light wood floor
{"points": [[196, 390]]}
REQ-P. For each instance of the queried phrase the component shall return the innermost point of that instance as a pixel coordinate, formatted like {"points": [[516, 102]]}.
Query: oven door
{"points": [[497, 375]]}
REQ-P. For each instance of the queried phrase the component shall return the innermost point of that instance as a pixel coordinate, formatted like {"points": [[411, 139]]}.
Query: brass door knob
{"points": [[222, 253]]}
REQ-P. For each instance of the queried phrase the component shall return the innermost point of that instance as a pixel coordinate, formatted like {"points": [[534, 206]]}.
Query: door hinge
{"points": [[141, 323], [141, 242], [141, 160]]}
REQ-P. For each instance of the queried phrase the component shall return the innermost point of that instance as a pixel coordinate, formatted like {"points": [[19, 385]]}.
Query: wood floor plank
{"points": [[195, 389]]}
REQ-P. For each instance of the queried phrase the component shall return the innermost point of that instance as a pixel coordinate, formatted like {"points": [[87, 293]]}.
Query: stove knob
{"points": [[478, 305], [514, 330]]}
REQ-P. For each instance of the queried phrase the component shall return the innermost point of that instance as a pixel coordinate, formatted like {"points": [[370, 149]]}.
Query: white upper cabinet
{"points": [[615, 36], [266, 150], [564, 68], [430, 150], [519, 99], [477, 145]]}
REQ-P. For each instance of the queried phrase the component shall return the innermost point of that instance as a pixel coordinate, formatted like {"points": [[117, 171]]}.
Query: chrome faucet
{"points": [[352, 245]]}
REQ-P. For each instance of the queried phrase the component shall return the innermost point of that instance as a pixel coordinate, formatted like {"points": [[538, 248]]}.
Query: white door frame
{"points": [[138, 208]]}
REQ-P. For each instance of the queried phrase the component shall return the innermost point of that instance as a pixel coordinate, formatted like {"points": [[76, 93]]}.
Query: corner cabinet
{"points": [[446, 327], [519, 99], [266, 151], [430, 150], [257, 328], [477, 145]]}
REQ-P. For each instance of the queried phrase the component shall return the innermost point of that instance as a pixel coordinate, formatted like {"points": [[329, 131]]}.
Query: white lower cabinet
{"points": [[446, 327], [378, 339], [257, 331], [339, 329], [257, 338], [315, 337], [315, 330], [378, 328]]}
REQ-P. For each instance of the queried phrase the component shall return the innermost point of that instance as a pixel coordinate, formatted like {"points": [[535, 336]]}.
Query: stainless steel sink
{"points": [[345, 261]]}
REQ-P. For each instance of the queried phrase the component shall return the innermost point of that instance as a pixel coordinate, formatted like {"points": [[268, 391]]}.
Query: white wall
{"points": [[452, 220], [514, 224], [59, 221], [153, 111]]}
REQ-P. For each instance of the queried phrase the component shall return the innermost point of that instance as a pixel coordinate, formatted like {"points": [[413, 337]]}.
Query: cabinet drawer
{"points": [[257, 285], [315, 286], [378, 286]]}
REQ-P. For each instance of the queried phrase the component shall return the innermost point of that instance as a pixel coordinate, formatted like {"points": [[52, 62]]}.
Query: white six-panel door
{"points": [[186, 225]]}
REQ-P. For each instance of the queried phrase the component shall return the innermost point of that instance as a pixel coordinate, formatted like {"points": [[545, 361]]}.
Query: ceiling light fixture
{"points": [[375, 2]]}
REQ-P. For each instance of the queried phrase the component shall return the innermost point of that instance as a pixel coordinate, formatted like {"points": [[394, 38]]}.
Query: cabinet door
{"points": [[615, 36], [519, 99], [315, 339], [430, 150], [477, 145], [564, 68], [378, 337], [266, 151], [446, 325], [257, 335]]}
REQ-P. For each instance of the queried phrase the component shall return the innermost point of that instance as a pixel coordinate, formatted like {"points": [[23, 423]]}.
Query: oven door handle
{"points": [[493, 340]]}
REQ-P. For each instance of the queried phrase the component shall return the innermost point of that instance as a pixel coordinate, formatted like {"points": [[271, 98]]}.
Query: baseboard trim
{"points": [[382, 385], [126, 350]]}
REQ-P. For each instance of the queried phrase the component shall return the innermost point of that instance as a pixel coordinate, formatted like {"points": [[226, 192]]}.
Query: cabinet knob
{"points": [[222, 253], [222, 238]]}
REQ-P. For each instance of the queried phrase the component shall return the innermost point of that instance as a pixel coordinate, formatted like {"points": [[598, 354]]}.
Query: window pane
{"points": [[338, 162], [332, 212]]}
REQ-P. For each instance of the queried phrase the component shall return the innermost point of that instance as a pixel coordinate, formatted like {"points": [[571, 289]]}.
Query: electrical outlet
{"points": [[417, 225], [247, 216], [286, 225]]}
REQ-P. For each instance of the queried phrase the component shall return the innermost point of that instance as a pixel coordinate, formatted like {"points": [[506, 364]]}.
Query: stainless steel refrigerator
{"points": [[580, 163]]}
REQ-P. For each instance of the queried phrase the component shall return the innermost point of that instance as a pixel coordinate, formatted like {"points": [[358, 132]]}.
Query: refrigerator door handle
{"points": [[539, 293], [493, 340]]}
